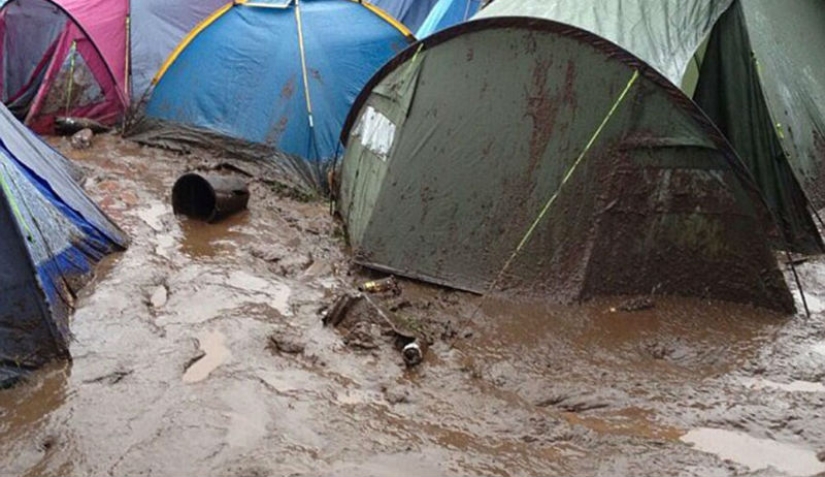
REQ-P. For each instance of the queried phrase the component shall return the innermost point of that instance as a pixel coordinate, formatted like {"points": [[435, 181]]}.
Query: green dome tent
{"points": [[760, 77], [526, 155]]}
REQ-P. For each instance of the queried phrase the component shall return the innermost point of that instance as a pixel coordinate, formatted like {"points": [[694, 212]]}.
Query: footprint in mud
{"points": [[214, 354]]}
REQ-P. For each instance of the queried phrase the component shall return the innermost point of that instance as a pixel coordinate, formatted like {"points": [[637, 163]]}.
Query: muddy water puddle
{"points": [[756, 454], [174, 371]]}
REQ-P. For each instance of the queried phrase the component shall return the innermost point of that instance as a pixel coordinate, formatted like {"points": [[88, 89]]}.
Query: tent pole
{"points": [[304, 71], [73, 52], [798, 282]]}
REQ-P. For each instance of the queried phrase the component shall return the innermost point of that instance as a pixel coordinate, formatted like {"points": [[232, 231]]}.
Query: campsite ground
{"points": [[686, 388]]}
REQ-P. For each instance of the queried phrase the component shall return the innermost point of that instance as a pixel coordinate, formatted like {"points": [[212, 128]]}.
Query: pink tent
{"points": [[64, 58]]}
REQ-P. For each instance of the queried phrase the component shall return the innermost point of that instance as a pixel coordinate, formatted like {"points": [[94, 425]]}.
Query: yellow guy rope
{"points": [[553, 198]]}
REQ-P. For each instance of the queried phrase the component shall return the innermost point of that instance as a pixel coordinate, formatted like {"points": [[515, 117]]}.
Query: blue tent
{"points": [[447, 13], [277, 73], [52, 234], [411, 13]]}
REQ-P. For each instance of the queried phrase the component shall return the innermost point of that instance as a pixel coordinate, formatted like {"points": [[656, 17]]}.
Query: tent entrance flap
{"points": [[732, 91], [65, 57]]}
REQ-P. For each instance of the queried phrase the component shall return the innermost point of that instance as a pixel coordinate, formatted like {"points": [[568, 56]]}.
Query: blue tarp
{"points": [[411, 13], [242, 76], [447, 13], [52, 236]]}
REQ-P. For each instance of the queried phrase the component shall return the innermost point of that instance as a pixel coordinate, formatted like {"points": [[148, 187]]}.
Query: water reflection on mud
{"points": [[174, 371]]}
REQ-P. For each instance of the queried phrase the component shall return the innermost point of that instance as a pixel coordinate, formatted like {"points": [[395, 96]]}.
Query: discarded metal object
{"points": [[82, 139], [336, 314], [66, 126], [413, 353], [361, 335], [209, 197], [411, 345], [389, 284]]}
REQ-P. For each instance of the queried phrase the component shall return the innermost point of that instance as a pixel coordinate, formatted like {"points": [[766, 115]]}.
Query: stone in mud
{"points": [[269, 253], [286, 344], [82, 139], [159, 297], [285, 261], [396, 394]]}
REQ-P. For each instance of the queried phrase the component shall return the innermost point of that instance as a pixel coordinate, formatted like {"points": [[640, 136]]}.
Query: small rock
{"points": [[821, 455], [397, 395], [82, 139], [269, 253], [286, 344], [159, 296]]}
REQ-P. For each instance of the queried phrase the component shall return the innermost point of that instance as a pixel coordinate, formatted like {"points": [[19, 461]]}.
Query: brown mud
{"points": [[201, 351]]}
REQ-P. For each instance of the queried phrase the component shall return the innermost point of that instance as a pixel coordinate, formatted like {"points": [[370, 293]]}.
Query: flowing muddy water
{"points": [[175, 371]]}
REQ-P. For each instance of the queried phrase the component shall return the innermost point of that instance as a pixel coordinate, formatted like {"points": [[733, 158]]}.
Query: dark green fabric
{"points": [[491, 116], [757, 91]]}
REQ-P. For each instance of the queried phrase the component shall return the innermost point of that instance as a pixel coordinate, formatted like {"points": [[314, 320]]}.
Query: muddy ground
{"points": [[200, 351]]}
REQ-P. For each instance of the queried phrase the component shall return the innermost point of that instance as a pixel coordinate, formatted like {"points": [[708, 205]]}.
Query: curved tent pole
{"points": [[305, 75]]}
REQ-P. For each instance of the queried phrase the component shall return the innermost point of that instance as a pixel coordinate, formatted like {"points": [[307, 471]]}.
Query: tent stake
{"points": [[798, 283]]}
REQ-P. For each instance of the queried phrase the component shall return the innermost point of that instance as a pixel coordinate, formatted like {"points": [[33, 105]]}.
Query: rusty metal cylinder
{"points": [[209, 197]]}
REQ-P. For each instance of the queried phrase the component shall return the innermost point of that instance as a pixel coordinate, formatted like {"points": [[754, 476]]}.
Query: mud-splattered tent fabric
{"points": [[526, 139], [52, 235], [64, 58], [280, 74], [447, 13], [762, 81], [758, 80], [411, 13]]}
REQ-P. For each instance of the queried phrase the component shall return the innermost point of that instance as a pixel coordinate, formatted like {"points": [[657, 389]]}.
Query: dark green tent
{"points": [[761, 79], [521, 134]]}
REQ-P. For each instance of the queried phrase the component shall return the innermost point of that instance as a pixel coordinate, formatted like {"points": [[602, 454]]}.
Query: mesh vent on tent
{"points": [[74, 87]]}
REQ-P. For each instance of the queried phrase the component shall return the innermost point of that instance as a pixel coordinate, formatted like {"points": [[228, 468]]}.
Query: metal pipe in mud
{"points": [[210, 197]]}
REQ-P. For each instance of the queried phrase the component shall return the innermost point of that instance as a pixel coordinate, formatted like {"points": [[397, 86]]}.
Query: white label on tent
{"points": [[377, 132]]}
